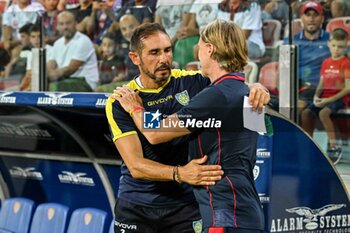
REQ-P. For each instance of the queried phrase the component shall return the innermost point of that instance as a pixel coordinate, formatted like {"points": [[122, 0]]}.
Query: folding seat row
{"points": [[17, 216]]}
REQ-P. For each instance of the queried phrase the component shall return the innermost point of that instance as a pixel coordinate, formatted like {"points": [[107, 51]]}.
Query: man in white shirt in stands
{"points": [[73, 66]]}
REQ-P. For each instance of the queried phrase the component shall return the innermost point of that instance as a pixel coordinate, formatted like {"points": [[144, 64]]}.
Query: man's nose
{"points": [[163, 57]]}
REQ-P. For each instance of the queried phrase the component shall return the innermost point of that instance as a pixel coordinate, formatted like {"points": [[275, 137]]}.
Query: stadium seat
{"points": [[271, 32], [251, 72], [9, 85], [49, 217], [297, 26], [111, 228], [341, 22], [183, 50], [269, 77], [87, 220], [15, 215]]}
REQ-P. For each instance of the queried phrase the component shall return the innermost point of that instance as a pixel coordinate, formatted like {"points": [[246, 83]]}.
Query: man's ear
{"points": [[211, 49], [134, 57]]}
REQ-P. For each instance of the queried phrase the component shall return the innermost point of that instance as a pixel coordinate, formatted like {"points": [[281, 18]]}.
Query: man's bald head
{"points": [[66, 24], [127, 25]]}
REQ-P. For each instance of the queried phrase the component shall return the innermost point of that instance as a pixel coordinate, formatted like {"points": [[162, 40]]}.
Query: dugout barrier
{"points": [[56, 147]]}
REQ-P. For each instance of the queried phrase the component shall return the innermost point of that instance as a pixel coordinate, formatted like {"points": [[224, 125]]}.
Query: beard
{"points": [[165, 68], [312, 30], [68, 34]]}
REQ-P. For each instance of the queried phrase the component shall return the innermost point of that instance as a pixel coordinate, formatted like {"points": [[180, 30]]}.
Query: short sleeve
{"points": [[120, 123], [346, 69], [83, 50], [252, 19]]}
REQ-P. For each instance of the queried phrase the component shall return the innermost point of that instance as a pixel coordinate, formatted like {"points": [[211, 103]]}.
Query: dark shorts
{"points": [[131, 218], [307, 94], [334, 107], [230, 230]]}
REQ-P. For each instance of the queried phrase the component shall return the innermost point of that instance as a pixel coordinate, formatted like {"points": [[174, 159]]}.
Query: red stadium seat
{"points": [[342, 22], [297, 26], [9, 84], [269, 77]]}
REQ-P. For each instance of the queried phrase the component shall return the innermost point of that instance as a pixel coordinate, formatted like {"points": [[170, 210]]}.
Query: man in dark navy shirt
{"points": [[215, 119]]}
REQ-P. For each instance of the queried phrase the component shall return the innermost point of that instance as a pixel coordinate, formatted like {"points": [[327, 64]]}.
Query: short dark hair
{"points": [[339, 34], [26, 28], [142, 32], [34, 28]]}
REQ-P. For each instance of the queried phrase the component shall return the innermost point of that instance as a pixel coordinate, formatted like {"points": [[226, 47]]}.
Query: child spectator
{"points": [[331, 93], [111, 67], [20, 53], [35, 43], [128, 24]]}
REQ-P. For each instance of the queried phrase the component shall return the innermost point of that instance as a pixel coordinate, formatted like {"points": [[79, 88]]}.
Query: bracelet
{"points": [[176, 176], [138, 108]]}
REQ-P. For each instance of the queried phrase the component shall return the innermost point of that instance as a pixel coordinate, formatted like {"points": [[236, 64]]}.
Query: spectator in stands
{"points": [[15, 17], [82, 14], [203, 13], [247, 15], [174, 17], [68, 5], [340, 8], [143, 10], [35, 38], [73, 66], [276, 9], [99, 21], [312, 44], [50, 21], [128, 24], [20, 53], [332, 92], [111, 67]]}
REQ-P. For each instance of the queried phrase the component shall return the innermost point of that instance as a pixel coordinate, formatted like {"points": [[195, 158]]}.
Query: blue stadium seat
{"points": [[15, 215], [111, 228], [87, 220], [49, 217]]}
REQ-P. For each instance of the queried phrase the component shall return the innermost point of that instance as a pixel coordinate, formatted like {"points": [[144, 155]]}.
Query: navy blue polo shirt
{"points": [[177, 91], [311, 54], [233, 201]]}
